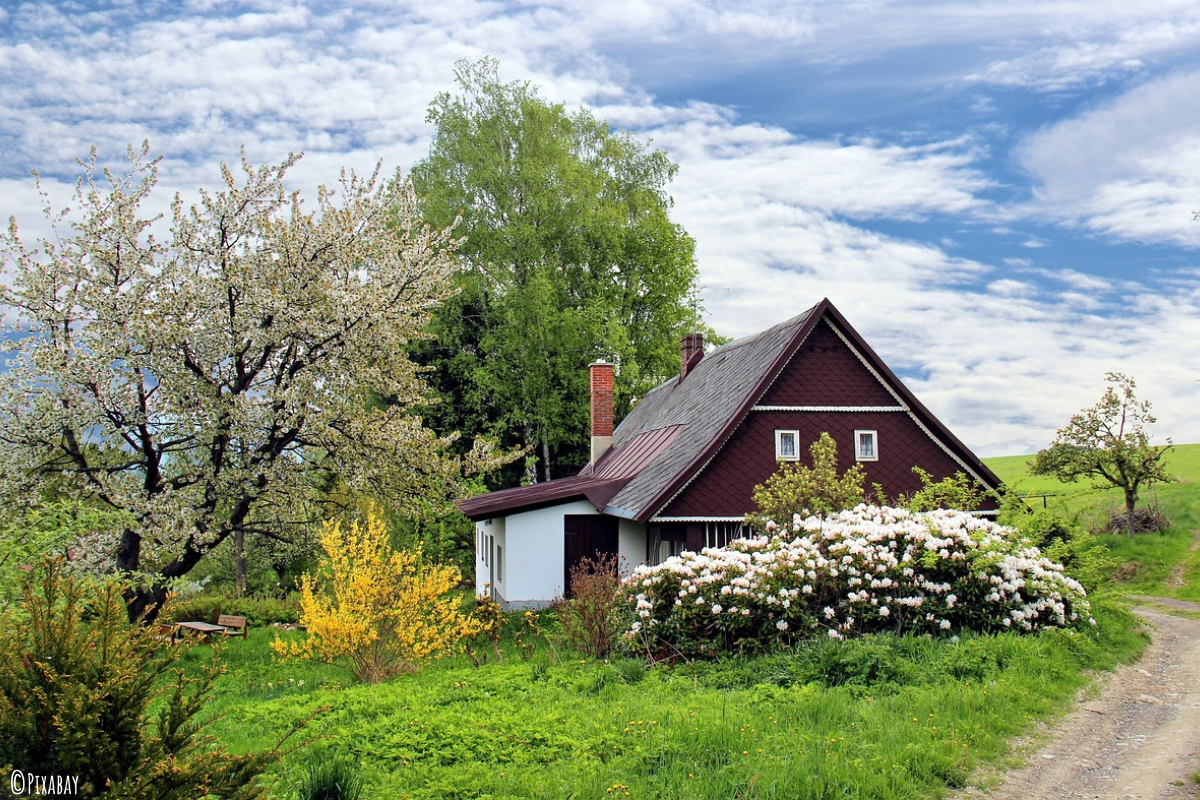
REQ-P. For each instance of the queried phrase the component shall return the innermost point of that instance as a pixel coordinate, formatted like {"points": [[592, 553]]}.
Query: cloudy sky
{"points": [[998, 195]]}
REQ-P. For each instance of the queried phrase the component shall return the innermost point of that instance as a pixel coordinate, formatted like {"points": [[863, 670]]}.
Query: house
{"points": [[679, 472]]}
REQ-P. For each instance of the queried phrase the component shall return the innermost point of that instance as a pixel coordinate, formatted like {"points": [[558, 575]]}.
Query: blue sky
{"points": [[998, 195]]}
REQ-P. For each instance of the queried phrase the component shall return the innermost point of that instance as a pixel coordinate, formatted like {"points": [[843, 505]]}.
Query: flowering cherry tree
{"points": [[206, 383], [868, 569]]}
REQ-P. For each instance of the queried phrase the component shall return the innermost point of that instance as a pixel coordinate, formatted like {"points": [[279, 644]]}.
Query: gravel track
{"points": [[1133, 734]]}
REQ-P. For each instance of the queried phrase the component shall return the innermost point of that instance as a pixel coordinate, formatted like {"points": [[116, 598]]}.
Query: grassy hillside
{"points": [[883, 716], [1164, 564]]}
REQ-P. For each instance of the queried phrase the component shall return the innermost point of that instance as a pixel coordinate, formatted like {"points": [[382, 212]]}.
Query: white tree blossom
{"points": [[207, 384]]}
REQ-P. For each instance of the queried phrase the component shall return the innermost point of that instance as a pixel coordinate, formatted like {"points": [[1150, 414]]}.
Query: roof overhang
{"points": [[597, 491]]}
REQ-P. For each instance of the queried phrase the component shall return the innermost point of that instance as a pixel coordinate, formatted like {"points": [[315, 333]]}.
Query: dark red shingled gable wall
{"points": [[823, 372]]}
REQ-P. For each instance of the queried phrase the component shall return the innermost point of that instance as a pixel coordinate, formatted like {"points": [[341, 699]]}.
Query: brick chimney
{"points": [[691, 351], [602, 408]]}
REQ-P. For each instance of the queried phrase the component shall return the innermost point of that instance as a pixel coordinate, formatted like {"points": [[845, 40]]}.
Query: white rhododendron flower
{"points": [[868, 569]]}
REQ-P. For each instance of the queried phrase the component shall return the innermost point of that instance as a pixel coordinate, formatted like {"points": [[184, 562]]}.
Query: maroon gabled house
{"points": [[679, 471]]}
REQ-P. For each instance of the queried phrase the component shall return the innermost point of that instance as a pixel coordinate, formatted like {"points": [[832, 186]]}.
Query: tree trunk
{"points": [[129, 552], [546, 459], [1130, 502], [147, 601], [531, 471], [239, 563]]}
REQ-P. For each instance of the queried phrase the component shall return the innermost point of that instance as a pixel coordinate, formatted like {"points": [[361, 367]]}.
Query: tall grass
{"points": [[880, 717]]}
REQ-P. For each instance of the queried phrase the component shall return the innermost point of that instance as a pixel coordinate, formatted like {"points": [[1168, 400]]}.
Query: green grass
{"points": [[1163, 564], [881, 717]]}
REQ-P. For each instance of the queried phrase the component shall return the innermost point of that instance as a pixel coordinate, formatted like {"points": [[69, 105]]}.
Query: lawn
{"points": [[879, 717]]}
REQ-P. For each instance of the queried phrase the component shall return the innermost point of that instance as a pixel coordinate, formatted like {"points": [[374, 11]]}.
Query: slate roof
{"points": [[708, 403], [673, 432], [668, 429]]}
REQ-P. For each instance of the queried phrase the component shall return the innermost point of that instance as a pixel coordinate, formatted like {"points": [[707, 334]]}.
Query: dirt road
{"points": [[1137, 737]]}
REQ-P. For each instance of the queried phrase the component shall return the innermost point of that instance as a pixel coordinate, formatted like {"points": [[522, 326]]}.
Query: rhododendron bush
{"points": [[859, 571]]}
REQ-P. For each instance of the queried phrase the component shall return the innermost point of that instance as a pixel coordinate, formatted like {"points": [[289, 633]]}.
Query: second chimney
{"points": [[602, 408], [691, 351]]}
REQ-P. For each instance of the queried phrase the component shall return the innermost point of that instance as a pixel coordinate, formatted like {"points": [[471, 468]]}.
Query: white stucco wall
{"points": [[535, 553], [484, 546], [631, 540], [531, 543]]}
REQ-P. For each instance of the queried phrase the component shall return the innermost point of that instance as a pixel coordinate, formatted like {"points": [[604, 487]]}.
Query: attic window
{"points": [[866, 446], [787, 445]]}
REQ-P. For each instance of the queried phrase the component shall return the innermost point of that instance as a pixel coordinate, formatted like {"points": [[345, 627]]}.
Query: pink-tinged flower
{"points": [[782, 625]]}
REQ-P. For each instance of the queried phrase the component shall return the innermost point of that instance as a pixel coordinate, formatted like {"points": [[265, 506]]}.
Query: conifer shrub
{"points": [[87, 694], [870, 569]]}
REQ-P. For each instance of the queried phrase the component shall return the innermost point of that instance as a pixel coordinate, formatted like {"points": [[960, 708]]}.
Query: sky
{"points": [[999, 196]]}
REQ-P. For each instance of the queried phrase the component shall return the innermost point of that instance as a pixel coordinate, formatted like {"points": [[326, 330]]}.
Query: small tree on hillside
{"points": [[816, 490], [1108, 442]]}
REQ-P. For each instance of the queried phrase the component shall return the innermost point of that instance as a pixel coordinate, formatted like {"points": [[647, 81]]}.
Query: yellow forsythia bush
{"points": [[380, 609]]}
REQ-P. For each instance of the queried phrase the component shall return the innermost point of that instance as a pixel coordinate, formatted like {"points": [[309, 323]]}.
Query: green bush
{"points": [[78, 683], [258, 610]]}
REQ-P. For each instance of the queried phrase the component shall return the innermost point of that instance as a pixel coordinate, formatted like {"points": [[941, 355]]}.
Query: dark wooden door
{"points": [[586, 536]]}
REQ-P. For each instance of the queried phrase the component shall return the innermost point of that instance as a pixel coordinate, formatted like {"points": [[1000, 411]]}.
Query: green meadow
{"points": [[878, 717], [1162, 565]]}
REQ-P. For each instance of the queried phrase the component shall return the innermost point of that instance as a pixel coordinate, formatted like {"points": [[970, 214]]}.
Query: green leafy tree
{"points": [[958, 492], [1109, 444], [816, 490], [85, 693], [570, 256], [206, 385]]}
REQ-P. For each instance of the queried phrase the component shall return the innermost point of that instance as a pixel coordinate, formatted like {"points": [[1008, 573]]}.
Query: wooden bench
{"points": [[233, 625]]}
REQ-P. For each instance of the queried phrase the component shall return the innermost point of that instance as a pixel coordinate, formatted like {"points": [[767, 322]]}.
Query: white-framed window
{"points": [[499, 564], [787, 445], [866, 446]]}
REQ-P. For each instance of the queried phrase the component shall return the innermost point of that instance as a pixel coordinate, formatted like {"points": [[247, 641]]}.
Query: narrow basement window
{"points": [[866, 448], [787, 445]]}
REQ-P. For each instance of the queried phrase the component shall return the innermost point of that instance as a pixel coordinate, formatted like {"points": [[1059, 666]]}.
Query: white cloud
{"points": [[1129, 168], [1003, 357]]}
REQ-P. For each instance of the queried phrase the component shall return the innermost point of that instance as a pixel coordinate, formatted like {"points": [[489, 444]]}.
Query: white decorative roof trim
{"points": [[948, 451], [828, 408], [698, 519]]}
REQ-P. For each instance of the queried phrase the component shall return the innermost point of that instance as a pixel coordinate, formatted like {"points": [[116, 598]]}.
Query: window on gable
{"points": [[866, 446], [787, 445]]}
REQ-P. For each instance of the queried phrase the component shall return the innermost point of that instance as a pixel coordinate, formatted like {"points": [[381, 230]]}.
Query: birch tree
{"points": [[206, 379], [570, 256]]}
